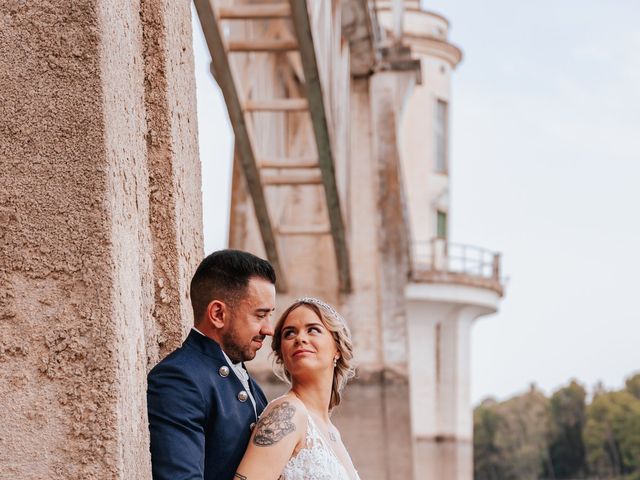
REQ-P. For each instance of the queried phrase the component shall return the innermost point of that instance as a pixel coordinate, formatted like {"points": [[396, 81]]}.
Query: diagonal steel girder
{"points": [[244, 140], [313, 87]]}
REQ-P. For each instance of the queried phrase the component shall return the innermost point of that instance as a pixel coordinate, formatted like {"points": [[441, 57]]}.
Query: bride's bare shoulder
{"points": [[290, 400], [283, 416], [278, 433]]}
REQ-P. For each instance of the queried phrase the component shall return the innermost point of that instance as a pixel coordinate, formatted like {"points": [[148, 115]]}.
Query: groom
{"points": [[202, 403]]}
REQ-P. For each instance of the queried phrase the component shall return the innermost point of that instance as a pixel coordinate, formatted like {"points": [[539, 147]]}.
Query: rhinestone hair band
{"points": [[323, 305]]}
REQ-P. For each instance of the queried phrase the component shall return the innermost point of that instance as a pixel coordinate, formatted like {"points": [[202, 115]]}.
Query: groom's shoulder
{"points": [[182, 372], [184, 359]]}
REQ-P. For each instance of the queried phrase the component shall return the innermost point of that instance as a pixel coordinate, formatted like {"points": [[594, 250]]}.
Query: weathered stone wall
{"points": [[174, 168], [86, 248]]}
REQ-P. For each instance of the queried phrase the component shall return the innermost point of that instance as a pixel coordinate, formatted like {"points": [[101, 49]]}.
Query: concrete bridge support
{"points": [[100, 226]]}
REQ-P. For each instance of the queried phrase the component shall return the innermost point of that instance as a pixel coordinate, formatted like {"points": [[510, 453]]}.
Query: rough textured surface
{"points": [[56, 326], [77, 251], [175, 204], [127, 206]]}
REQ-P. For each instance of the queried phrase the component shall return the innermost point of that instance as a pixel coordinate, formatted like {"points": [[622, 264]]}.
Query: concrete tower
{"points": [[345, 188], [450, 284]]}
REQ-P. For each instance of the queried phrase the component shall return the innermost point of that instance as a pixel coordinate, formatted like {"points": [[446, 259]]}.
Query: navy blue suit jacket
{"points": [[199, 427]]}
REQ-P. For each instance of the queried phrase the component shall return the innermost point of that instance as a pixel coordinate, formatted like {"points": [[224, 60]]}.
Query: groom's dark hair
{"points": [[224, 275]]}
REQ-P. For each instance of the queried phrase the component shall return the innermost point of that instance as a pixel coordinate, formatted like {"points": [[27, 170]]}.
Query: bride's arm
{"points": [[281, 428]]}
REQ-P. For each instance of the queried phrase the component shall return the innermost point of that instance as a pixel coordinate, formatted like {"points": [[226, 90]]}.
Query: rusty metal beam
{"points": [[313, 88], [264, 45], [254, 11], [276, 105], [221, 70], [288, 163], [296, 177]]}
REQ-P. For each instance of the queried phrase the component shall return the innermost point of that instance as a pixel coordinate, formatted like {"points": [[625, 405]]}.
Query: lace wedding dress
{"points": [[316, 461]]}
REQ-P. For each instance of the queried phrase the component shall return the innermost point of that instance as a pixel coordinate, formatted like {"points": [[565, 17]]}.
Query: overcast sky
{"points": [[545, 153]]}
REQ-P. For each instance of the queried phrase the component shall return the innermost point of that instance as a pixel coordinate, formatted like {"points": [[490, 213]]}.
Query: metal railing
{"points": [[439, 255]]}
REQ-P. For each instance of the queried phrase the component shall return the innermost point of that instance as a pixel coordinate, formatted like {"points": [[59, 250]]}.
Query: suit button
{"points": [[242, 396], [252, 426], [224, 371]]}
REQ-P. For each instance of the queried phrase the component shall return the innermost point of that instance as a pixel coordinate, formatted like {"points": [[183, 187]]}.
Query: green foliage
{"points": [[486, 453], [524, 437], [566, 449], [511, 439], [612, 434], [530, 436], [633, 385]]}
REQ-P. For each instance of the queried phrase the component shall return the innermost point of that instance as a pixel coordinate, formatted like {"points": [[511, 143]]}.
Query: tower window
{"points": [[440, 133], [442, 224], [438, 353]]}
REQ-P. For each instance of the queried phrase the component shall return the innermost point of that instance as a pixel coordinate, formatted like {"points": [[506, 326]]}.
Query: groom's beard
{"points": [[236, 350], [233, 351]]}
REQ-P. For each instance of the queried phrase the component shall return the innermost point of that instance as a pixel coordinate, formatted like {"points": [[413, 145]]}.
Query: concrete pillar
{"points": [[389, 91], [100, 227], [440, 317], [375, 418], [174, 166]]}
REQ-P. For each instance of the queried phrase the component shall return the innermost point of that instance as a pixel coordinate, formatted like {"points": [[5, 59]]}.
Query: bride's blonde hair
{"points": [[333, 322]]}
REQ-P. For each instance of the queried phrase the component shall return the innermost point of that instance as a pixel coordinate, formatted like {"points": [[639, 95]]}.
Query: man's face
{"points": [[249, 321]]}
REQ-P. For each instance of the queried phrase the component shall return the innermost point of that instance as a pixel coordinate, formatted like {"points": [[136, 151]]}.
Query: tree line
{"points": [[565, 436]]}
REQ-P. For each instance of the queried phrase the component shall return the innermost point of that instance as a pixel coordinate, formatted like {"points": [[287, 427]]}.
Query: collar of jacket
{"points": [[205, 345]]}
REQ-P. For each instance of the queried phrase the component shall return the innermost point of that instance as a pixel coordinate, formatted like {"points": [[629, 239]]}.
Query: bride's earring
{"points": [[335, 362]]}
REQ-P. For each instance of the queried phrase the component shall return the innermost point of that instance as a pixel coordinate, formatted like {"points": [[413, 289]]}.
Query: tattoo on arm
{"points": [[274, 426], [241, 477]]}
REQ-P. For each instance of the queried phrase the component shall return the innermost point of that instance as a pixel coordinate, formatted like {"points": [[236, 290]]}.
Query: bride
{"points": [[294, 438]]}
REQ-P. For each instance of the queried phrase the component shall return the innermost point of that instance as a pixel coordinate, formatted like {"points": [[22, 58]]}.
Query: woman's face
{"points": [[306, 344]]}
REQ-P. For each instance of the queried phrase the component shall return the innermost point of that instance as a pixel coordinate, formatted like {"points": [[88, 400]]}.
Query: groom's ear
{"points": [[217, 313]]}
